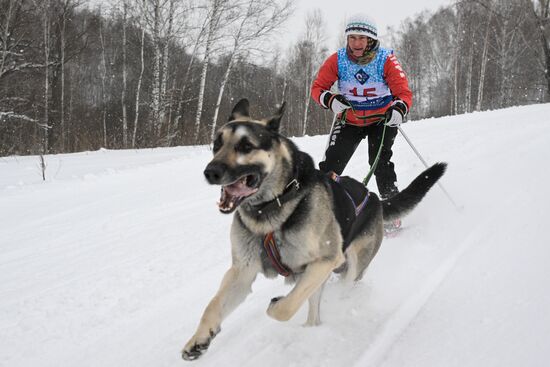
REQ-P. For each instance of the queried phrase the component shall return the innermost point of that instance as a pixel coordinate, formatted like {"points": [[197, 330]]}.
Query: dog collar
{"points": [[292, 189]]}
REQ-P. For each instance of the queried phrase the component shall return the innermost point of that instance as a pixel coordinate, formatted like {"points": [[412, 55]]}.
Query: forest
{"points": [[77, 75]]}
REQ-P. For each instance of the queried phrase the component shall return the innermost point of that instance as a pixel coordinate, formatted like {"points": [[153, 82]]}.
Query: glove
{"points": [[395, 115], [336, 102]]}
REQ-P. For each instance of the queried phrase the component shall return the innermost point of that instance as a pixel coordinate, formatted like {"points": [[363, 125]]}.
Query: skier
{"points": [[370, 82]]}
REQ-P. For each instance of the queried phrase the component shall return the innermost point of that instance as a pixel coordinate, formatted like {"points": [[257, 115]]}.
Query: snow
{"points": [[111, 261]]}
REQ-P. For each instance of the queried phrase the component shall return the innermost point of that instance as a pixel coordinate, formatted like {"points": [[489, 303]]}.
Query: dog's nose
{"points": [[214, 172]]}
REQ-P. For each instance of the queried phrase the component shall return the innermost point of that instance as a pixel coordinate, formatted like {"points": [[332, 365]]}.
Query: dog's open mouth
{"points": [[233, 194]]}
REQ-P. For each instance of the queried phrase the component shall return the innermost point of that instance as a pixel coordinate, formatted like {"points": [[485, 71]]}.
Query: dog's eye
{"points": [[217, 143], [244, 146]]}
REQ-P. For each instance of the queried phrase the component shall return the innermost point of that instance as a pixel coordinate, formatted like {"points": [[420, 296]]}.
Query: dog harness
{"points": [[270, 242], [272, 251], [358, 207], [291, 191]]}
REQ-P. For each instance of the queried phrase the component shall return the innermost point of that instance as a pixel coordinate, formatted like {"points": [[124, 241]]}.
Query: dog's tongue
{"points": [[239, 188], [233, 194]]}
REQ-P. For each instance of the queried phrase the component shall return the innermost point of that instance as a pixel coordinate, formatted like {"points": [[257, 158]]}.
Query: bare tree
{"points": [[124, 75], [103, 83], [166, 60], [67, 10], [215, 12], [16, 43], [185, 82], [140, 79], [164, 19], [46, 30], [259, 19], [14, 38], [314, 39], [484, 59], [507, 46], [156, 96], [541, 12]]}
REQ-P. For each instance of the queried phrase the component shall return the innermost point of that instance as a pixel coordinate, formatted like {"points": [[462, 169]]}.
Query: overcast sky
{"points": [[385, 12]]}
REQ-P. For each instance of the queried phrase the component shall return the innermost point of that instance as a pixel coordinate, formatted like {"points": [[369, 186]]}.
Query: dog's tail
{"points": [[402, 203]]}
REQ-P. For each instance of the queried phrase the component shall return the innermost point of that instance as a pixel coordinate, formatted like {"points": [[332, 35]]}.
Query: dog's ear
{"points": [[241, 109], [275, 122]]}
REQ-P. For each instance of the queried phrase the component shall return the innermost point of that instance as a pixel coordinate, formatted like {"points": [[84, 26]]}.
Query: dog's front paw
{"points": [[278, 309], [197, 346]]}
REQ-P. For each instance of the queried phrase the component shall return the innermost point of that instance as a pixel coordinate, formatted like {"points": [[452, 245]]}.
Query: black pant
{"points": [[344, 140]]}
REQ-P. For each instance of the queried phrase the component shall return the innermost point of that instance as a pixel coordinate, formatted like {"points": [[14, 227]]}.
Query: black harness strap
{"points": [[349, 199], [358, 207], [291, 191]]}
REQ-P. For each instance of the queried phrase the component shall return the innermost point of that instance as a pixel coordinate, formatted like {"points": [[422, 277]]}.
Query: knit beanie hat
{"points": [[362, 25]]}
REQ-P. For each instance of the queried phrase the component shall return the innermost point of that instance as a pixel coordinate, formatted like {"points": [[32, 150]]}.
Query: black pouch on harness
{"points": [[349, 198]]}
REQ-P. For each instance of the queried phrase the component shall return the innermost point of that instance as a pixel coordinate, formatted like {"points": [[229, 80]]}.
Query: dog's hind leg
{"points": [[314, 311], [351, 264], [366, 249], [235, 286], [316, 273]]}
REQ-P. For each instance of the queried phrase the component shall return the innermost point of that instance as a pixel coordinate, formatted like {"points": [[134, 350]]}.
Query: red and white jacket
{"points": [[369, 88]]}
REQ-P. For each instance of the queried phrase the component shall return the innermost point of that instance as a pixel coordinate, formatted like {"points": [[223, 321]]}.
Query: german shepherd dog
{"points": [[290, 218]]}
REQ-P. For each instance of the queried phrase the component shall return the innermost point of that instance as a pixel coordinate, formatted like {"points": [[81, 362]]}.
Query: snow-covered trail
{"points": [[112, 261]]}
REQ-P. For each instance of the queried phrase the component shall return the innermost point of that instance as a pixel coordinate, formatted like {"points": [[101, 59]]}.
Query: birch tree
{"points": [[508, 47], [15, 46], [314, 39], [215, 12], [260, 18], [164, 19], [185, 81], [541, 11], [65, 13], [46, 45], [154, 17], [15, 41], [140, 78], [124, 75], [103, 83], [484, 59], [456, 57]]}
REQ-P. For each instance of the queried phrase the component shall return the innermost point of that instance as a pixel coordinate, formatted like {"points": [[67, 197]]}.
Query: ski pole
{"points": [[426, 165]]}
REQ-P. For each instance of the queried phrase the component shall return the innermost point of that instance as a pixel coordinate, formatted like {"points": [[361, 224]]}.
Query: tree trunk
{"points": [[62, 109], [214, 17], [103, 86], [456, 63], [46, 127], [138, 89], [155, 93], [468, 97], [484, 61], [165, 68], [181, 102], [201, 94], [124, 78], [545, 44], [220, 93]]}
